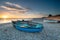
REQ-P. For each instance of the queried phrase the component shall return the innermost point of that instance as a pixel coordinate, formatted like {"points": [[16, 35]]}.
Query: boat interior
{"points": [[27, 24]]}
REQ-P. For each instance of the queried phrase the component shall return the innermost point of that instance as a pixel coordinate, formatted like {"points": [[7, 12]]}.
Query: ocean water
{"points": [[12, 19]]}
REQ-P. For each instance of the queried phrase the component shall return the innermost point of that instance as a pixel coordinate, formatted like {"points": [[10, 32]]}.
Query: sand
{"points": [[51, 31]]}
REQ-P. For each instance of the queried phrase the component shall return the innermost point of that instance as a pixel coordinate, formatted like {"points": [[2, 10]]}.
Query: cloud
{"points": [[14, 8], [12, 4], [7, 8]]}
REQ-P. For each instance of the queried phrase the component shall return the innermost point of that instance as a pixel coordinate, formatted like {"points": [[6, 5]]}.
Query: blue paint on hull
{"points": [[36, 28], [30, 29]]}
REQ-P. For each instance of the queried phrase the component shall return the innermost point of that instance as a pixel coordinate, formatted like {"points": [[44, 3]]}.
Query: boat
{"points": [[27, 26], [50, 21]]}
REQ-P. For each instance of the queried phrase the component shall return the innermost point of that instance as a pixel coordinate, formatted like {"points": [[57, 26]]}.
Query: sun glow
{"points": [[5, 16]]}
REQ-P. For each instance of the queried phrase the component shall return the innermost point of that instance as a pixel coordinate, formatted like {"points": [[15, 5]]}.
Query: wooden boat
{"points": [[27, 26], [51, 21]]}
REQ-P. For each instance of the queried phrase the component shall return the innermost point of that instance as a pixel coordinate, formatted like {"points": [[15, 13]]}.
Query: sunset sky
{"points": [[28, 8]]}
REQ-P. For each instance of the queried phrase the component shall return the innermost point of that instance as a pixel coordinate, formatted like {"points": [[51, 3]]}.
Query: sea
{"points": [[8, 20]]}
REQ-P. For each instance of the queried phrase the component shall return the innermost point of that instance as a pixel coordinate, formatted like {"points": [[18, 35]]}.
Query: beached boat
{"points": [[50, 21], [27, 26]]}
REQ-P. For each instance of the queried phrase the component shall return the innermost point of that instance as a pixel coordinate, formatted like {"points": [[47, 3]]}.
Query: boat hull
{"points": [[28, 29]]}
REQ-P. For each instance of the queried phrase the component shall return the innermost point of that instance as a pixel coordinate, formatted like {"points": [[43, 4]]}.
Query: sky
{"points": [[29, 8]]}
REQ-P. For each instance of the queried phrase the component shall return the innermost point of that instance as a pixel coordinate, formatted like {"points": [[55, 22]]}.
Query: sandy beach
{"points": [[51, 31]]}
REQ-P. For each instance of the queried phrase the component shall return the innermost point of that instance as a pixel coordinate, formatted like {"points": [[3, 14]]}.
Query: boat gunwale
{"points": [[27, 27]]}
